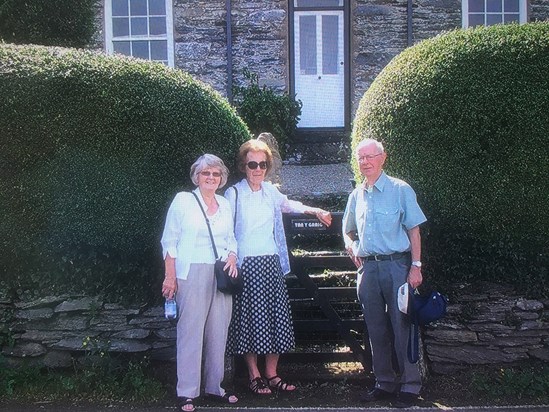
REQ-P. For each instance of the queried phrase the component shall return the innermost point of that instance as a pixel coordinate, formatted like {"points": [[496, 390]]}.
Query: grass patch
{"points": [[97, 378]]}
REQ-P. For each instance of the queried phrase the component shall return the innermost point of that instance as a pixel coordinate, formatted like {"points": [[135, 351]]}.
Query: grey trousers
{"points": [[388, 328], [202, 328]]}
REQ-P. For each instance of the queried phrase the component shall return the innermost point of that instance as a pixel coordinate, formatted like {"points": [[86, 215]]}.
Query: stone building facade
{"points": [[326, 52]]}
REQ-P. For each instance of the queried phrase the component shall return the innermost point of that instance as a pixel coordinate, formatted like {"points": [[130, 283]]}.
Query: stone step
{"points": [[319, 147]]}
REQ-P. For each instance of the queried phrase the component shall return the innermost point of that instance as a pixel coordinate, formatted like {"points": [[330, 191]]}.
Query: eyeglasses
{"points": [[368, 158], [208, 174], [254, 165]]}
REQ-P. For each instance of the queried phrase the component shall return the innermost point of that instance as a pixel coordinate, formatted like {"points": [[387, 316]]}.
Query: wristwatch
{"points": [[416, 263]]}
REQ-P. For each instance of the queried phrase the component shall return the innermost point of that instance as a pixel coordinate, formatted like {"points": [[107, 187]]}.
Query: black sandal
{"points": [[184, 402], [226, 398], [258, 384], [280, 386]]}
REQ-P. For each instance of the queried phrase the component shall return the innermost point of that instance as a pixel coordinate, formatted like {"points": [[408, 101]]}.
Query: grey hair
{"points": [[207, 161], [368, 142]]}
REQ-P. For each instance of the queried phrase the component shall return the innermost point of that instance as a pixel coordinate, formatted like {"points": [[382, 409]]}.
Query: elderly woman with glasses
{"points": [[204, 313], [262, 323]]}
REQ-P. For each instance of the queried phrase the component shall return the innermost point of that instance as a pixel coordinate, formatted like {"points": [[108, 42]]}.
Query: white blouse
{"points": [[259, 229], [186, 237]]}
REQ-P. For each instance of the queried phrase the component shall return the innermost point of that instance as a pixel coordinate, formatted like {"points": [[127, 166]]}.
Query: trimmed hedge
{"points": [[67, 23], [93, 150], [465, 120]]}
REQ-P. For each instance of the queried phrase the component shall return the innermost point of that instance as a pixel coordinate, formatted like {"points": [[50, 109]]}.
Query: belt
{"points": [[394, 256]]}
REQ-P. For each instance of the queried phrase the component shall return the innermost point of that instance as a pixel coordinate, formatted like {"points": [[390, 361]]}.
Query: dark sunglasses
{"points": [[253, 165], [208, 174]]}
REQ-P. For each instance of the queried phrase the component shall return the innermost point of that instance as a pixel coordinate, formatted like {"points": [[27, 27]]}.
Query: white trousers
{"points": [[204, 317]]}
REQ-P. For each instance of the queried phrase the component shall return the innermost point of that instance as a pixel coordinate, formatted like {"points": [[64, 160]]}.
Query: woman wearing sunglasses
{"points": [[261, 323], [204, 313]]}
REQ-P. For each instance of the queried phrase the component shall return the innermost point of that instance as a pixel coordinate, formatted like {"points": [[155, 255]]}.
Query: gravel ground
{"points": [[316, 180]]}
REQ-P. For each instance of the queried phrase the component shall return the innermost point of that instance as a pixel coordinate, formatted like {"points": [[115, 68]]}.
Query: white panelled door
{"points": [[319, 68]]}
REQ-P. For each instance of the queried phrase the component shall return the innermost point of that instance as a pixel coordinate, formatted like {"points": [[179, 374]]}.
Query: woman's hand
{"points": [[322, 215], [231, 265], [169, 286]]}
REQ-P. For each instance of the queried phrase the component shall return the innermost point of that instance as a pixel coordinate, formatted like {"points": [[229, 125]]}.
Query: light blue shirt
{"points": [[381, 217]]}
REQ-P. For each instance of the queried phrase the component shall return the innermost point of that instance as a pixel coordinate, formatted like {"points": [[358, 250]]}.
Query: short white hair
{"points": [[207, 161], [368, 142]]}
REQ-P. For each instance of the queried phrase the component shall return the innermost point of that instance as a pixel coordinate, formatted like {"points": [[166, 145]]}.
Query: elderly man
{"points": [[381, 232]]}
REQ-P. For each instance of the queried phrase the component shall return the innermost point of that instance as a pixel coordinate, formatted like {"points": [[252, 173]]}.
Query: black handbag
{"points": [[225, 283]]}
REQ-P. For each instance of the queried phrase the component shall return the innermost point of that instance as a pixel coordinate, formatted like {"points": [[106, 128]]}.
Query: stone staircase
{"points": [[319, 147]]}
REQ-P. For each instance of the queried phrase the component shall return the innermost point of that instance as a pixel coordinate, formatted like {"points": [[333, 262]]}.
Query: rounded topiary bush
{"points": [[93, 149], [465, 120]]}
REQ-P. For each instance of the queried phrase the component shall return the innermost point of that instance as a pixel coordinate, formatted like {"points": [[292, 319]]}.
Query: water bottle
{"points": [[170, 308]]}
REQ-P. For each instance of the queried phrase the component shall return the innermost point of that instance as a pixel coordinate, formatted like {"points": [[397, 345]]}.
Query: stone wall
{"points": [[259, 41], [492, 327], [54, 330], [260, 37]]}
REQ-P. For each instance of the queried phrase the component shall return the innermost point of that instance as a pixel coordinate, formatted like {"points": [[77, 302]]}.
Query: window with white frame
{"points": [[140, 28], [490, 12]]}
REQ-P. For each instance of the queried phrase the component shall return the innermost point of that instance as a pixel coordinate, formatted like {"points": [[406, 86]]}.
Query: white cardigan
{"points": [[183, 221]]}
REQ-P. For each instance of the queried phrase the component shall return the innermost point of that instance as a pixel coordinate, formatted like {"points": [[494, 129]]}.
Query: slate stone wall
{"points": [[492, 327], [260, 38], [259, 41]]}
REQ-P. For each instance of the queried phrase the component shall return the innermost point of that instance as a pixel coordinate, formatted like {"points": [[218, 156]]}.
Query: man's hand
{"points": [[415, 278], [356, 260]]}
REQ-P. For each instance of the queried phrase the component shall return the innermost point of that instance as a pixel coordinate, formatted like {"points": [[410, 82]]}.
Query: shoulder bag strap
{"points": [[235, 204], [208, 224]]}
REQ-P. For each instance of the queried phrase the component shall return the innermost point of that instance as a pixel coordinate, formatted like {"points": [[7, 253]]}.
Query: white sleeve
{"points": [[172, 227]]}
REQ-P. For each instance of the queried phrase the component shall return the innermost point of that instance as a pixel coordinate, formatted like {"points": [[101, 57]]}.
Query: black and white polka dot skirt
{"points": [[261, 321]]}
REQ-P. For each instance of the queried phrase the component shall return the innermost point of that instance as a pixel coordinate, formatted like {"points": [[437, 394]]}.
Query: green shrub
{"points": [[93, 150], [263, 110], [68, 23], [465, 120]]}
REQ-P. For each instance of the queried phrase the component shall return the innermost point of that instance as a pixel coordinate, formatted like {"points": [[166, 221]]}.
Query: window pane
{"points": [[122, 47], [476, 20], [511, 18], [138, 7], [159, 50], [139, 26], [318, 3], [307, 44], [120, 27], [157, 25], [493, 6], [157, 7], [511, 6], [493, 19], [476, 6], [330, 29], [120, 8], [140, 49]]}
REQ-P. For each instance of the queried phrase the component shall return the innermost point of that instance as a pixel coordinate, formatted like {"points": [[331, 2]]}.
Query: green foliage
{"points": [[68, 23], [96, 378], [94, 149], [263, 110], [465, 120], [519, 382]]}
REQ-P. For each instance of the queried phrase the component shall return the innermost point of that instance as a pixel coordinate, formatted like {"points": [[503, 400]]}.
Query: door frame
{"points": [[346, 58]]}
